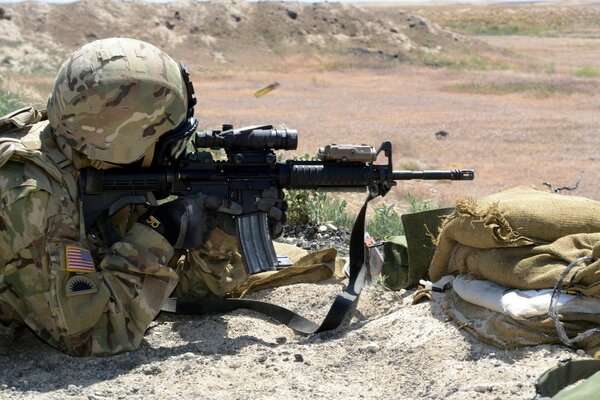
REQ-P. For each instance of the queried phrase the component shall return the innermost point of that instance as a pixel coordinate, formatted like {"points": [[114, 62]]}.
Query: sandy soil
{"points": [[388, 350], [513, 139]]}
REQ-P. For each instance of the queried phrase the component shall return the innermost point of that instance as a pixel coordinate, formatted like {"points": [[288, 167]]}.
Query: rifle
{"points": [[250, 168]]}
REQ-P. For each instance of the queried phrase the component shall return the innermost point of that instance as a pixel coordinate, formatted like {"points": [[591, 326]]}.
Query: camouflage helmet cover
{"points": [[114, 98]]}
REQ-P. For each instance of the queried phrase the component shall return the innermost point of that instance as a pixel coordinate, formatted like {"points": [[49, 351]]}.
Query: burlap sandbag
{"points": [[522, 238], [506, 333]]}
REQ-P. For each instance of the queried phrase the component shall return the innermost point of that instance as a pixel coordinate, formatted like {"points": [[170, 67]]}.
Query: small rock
{"points": [[280, 339], [4, 386], [188, 356], [7, 17], [322, 228], [580, 352], [262, 358], [292, 14], [373, 347], [441, 135], [298, 357], [331, 227], [483, 388], [151, 370]]}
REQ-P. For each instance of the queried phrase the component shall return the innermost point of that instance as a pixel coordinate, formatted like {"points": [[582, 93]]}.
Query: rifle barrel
{"points": [[454, 174]]}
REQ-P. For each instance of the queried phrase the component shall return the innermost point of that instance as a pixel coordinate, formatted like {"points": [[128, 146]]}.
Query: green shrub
{"points": [[537, 89], [385, 222], [550, 68], [460, 62], [309, 207], [418, 204], [588, 72], [9, 102]]}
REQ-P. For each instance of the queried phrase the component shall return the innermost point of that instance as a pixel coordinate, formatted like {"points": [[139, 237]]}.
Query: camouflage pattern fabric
{"points": [[97, 88], [215, 269], [82, 309], [52, 279]]}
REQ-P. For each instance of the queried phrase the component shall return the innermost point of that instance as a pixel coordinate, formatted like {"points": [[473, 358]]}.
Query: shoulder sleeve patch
{"points": [[80, 284], [79, 259]]}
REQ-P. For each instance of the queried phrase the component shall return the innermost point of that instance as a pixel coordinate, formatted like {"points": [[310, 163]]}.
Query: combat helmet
{"points": [[113, 100]]}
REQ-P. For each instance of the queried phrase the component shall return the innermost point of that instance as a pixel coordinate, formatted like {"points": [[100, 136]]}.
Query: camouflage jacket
{"points": [[59, 281]]}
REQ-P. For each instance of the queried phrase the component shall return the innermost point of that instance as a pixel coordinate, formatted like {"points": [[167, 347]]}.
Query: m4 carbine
{"points": [[250, 168]]}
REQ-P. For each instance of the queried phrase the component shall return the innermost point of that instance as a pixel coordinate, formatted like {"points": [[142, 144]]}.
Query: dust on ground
{"points": [[388, 349], [515, 126]]}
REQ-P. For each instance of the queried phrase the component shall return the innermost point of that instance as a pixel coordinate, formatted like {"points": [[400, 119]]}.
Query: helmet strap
{"points": [[148, 156], [99, 164], [189, 88]]}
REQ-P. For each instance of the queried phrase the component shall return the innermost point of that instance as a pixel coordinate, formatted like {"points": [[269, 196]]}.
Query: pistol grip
{"points": [[255, 244]]}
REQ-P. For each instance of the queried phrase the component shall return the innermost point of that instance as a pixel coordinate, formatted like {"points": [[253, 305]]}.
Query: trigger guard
{"points": [[226, 223]]}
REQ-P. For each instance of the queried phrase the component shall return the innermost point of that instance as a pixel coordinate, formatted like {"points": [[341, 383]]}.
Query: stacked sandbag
{"points": [[521, 238]]}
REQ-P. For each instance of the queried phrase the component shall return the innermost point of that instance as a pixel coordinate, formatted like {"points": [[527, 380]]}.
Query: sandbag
{"points": [[522, 238], [504, 332]]}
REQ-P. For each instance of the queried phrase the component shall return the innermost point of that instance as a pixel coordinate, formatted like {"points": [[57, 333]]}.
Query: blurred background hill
{"points": [[511, 83]]}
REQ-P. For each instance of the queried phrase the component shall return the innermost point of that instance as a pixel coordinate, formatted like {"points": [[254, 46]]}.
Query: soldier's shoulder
{"points": [[24, 138]]}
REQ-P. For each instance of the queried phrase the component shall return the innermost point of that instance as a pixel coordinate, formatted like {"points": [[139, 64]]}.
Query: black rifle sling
{"points": [[340, 307]]}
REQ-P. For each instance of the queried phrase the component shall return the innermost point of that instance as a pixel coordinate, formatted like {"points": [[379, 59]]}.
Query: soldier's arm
{"points": [[71, 303]]}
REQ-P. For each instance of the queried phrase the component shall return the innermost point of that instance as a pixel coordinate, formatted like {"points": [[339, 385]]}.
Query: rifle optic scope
{"points": [[260, 138]]}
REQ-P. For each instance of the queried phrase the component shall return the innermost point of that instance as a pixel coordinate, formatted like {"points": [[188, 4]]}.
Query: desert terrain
{"points": [[515, 86]]}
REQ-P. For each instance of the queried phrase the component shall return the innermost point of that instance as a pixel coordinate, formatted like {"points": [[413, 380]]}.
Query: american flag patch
{"points": [[79, 260]]}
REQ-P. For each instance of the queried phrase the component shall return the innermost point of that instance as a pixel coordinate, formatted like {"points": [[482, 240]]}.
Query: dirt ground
{"points": [[510, 139], [389, 348]]}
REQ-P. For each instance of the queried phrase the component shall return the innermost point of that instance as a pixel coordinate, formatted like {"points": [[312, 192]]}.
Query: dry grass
{"points": [[530, 87], [512, 127], [519, 19], [588, 72]]}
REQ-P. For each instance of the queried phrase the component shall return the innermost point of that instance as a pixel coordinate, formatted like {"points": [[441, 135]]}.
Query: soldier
{"points": [[112, 101]]}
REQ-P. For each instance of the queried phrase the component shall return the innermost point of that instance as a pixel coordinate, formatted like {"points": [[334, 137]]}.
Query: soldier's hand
{"points": [[273, 204], [183, 222]]}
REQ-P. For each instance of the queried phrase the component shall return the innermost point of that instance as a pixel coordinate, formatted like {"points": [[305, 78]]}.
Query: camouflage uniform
{"points": [[74, 293]]}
